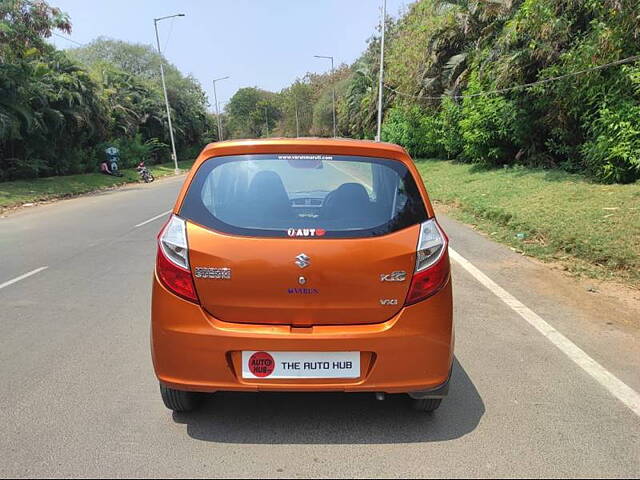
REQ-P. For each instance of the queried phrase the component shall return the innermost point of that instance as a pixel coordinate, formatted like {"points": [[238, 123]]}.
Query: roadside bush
{"points": [[490, 128], [191, 153], [132, 150], [451, 137], [414, 129], [16, 168], [612, 153]]}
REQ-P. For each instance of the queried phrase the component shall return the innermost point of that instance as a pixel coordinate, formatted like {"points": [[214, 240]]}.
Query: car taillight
{"points": [[432, 263], [172, 263]]}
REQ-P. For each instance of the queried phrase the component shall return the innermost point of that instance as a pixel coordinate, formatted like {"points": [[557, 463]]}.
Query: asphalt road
{"points": [[78, 397]]}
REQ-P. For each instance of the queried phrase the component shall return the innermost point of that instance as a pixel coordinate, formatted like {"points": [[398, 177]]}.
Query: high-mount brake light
{"points": [[172, 262], [432, 263]]}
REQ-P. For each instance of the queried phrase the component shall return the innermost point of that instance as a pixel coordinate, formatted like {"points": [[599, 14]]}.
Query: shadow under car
{"points": [[333, 418]]}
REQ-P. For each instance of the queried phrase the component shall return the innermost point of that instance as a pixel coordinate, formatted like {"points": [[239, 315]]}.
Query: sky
{"points": [[263, 43]]}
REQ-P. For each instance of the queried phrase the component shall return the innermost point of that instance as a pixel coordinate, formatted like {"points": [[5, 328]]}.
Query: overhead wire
{"points": [[68, 39], [166, 42], [631, 59]]}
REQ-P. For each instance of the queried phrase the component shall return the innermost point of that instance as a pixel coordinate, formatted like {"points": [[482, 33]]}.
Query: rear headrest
{"points": [[351, 191], [348, 200], [267, 194]]}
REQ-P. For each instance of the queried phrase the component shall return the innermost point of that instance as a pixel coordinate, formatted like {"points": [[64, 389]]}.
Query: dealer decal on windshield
{"points": [[305, 157], [306, 232]]}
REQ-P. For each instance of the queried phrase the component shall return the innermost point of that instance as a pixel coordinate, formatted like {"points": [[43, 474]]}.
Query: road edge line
{"points": [[613, 384]]}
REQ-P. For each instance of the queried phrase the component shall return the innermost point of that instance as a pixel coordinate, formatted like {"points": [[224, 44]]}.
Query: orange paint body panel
{"points": [[335, 304], [410, 352]]}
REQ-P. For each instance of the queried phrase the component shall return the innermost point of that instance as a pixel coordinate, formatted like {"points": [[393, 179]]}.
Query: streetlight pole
{"points": [[164, 88], [215, 98], [333, 93], [220, 117], [381, 82]]}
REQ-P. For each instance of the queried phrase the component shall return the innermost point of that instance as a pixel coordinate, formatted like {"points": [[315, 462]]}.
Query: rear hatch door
{"points": [[302, 239], [302, 282]]}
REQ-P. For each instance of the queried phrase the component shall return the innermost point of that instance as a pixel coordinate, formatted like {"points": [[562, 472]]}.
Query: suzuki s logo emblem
{"points": [[303, 260]]}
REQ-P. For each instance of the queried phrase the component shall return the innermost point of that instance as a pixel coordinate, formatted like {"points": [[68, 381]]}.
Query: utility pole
{"points": [[164, 88], [266, 119], [297, 122], [215, 99], [381, 82], [335, 134]]}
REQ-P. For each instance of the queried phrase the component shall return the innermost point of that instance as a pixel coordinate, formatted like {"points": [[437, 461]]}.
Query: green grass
{"points": [[19, 192], [591, 229]]}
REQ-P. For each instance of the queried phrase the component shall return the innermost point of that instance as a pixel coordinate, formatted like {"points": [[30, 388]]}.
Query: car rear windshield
{"points": [[303, 196]]}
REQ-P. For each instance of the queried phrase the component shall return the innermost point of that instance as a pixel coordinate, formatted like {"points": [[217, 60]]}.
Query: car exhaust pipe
{"points": [[380, 396]]}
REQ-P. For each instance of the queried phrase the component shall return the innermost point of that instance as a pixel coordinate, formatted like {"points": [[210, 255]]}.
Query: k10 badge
{"points": [[397, 276]]}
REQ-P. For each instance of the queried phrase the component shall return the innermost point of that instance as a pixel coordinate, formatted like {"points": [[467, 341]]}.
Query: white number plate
{"points": [[300, 365]]}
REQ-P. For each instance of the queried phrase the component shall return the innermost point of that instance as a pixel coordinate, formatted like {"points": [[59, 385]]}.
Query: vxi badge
{"points": [[397, 276], [388, 301]]}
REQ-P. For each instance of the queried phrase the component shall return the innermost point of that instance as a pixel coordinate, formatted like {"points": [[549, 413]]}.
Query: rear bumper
{"points": [[410, 353]]}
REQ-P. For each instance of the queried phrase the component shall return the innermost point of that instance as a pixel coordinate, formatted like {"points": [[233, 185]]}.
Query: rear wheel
{"points": [[178, 400], [427, 405]]}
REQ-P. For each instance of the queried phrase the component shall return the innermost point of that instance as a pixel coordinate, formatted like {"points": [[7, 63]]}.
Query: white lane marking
{"points": [[22, 277], [154, 218], [615, 386]]}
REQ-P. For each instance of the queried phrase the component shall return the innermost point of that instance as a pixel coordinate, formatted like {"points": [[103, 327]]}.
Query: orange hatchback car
{"points": [[302, 265]]}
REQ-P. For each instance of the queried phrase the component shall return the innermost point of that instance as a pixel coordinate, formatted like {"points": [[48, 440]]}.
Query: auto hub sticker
{"points": [[306, 232], [280, 365], [261, 364]]}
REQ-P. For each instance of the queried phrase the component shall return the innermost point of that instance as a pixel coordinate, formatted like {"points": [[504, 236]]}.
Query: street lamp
{"points": [[164, 88], [215, 99], [334, 93], [381, 86]]}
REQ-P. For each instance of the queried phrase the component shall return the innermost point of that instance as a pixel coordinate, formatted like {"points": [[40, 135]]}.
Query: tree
{"points": [[296, 101], [59, 109], [248, 111], [24, 24], [140, 64]]}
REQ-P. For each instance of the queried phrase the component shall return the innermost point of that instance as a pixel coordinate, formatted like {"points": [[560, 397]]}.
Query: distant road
{"points": [[79, 398]]}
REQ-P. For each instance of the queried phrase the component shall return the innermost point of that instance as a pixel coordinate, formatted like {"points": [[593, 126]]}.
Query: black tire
{"points": [[427, 405], [178, 400]]}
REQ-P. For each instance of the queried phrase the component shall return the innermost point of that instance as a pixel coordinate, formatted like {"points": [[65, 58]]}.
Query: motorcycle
{"points": [[145, 173]]}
